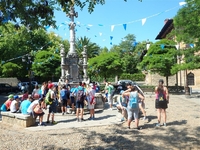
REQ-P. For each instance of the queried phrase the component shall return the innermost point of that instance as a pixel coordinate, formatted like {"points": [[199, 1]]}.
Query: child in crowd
{"points": [[14, 106], [91, 100]]}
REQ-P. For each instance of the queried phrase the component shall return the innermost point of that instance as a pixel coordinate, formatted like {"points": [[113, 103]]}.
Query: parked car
{"points": [[25, 86], [6, 88]]}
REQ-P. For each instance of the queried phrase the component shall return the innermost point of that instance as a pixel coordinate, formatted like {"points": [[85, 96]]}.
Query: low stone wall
{"points": [[18, 119]]}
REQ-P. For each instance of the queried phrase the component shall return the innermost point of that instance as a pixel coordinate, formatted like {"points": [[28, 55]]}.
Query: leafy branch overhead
{"points": [[34, 13]]}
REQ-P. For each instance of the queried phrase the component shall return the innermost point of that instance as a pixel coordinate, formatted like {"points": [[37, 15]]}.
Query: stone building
{"points": [[192, 77]]}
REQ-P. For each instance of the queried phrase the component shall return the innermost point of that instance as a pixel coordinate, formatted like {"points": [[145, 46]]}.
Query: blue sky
{"points": [[117, 13]]}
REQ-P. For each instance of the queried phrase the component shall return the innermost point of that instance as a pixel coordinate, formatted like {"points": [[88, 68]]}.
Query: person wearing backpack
{"points": [[63, 98], [133, 105], [80, 102], [51, 101], [162, 99]]}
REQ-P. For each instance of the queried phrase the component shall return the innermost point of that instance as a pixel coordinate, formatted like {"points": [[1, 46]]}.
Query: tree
{"points": [[160, 58], [126, 50], [106, 65], [34, 14], [10, 69], [46, 65], [187, 30], [92, 48]]}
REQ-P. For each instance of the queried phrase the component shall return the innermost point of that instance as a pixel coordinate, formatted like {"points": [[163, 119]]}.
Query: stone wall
{"points": [[11, 81]]}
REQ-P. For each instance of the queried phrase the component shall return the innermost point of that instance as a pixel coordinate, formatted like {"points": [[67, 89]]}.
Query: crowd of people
{"points": [[76, 97]]}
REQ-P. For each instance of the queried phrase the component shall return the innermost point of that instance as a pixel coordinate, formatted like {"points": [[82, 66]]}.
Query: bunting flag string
{"points": [[2, 62], [124, 25]]}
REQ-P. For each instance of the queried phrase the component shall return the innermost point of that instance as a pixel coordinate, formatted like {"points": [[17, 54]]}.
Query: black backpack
{"points": [[80, 96]]}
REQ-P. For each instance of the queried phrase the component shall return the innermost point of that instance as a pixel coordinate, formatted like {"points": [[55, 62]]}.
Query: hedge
{"points": [[133, 77]]}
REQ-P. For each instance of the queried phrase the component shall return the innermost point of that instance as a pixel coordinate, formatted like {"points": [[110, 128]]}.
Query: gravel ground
{"points": [[182, 132]]}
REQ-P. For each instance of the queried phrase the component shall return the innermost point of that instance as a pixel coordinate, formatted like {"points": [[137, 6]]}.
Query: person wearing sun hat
{"points": [[6, 105], [14, 107]]}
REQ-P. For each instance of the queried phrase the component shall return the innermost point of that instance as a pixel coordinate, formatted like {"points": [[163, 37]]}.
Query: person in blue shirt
{"points": [[73, 93], [25, 104]]}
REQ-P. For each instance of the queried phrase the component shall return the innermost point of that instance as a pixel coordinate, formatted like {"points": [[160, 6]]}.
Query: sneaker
{"points": [[73, 112], [63, 113], [47, 122], [128, 128], [110, 108], [157, 124], [89, 118], [54, 122], [77, 120], [144, 118], [122, 119], [164, 124], [82, 119], [139, 128], [41, 124]]}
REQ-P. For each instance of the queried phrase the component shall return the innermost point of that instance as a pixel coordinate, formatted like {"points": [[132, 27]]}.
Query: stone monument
{"points": [[70, 64]]}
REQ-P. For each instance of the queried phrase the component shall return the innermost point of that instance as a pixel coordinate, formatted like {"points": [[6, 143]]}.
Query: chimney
{"points": [[165, 21]]}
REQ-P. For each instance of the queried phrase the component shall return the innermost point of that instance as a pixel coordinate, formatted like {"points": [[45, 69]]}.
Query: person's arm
{"points": [[128, 90], [141, 97], [125, 94], [17, 106], [156, 89], [167, 94]]}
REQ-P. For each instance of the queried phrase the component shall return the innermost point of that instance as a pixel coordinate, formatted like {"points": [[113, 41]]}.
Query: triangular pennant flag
{"points": [[192, 45], [124, 25], [90, 25], [177, 46], [111, 37], [135, 43], [162, 46], [100, 25], [112, 28], [95, 36], [100, 33], [144, 20], [110, 43], [182, 3], [88, 28]]}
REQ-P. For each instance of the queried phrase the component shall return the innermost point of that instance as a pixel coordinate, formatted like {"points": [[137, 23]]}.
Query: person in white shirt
{"points": [[14, 107]]}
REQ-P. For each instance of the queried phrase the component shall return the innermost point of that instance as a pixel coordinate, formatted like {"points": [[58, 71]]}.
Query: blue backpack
{"points": [[133, 100], [63, 94]]}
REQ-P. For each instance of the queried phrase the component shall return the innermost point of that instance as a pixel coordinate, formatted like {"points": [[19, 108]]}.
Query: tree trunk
{"points": [[167, 81]]}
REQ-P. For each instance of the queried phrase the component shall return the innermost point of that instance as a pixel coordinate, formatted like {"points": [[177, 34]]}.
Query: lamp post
{"points": [[27, 58]]}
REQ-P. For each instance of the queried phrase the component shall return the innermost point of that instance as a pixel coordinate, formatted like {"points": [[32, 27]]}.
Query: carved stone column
{"points": [[84, 53]]}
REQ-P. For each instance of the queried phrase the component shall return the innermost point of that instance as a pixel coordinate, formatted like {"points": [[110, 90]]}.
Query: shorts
{"points": [[72, 98], [90, 106], [79, 104], [68, 95], [110, 100], [36, 115], [132, 113], [52, 108], [161, 104], [64, 102]]}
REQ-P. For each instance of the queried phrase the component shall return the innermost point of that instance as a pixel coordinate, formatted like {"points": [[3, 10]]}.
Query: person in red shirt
{"points": [[8, 102]]}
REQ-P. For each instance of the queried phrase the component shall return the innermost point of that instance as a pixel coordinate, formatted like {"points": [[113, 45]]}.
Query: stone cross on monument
{"points": [[70, 63]]}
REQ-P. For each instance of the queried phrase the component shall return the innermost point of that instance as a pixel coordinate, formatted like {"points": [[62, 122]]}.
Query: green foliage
{"points": [[105, 65], [187, 30], [34, 14], [133, 77], [10, 69], [126, 51], [46, 64], [92, 48], [160, 60]]}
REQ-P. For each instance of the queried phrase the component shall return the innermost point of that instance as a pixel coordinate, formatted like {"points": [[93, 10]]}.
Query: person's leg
{"points": [[109, 101], [130, 114], [143, 111], [158, 116], [82, 110], [164, 116], [136, 116]]}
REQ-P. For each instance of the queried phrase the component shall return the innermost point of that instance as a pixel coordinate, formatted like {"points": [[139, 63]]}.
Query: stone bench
{"points": [[18, 119]]}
